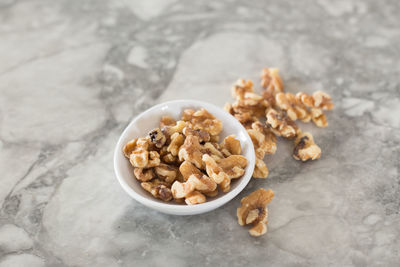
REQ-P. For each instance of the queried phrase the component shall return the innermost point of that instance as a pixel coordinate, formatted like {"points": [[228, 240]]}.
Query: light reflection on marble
{"points": [[74, 73]]}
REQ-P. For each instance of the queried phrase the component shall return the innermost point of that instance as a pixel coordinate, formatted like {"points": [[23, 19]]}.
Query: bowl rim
{"points": [[198, 208]]}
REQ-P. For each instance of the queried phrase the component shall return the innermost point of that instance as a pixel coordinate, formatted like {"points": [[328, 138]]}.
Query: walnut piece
{"points": [[177, 128], [222, 171], [241, 87], [158, 189], [230, 146], [177, 140], [253, 210], [203, 120], [305, 148], [157, 138], [271, 80], [202, 183], [187, 169], [319, 100], [319, 118], [191, 151], [202, 135], [167, 173], [294, 109], [167, 121], [194, 198], [260, 169], [143, 175], [264, 140], [281, 124]]}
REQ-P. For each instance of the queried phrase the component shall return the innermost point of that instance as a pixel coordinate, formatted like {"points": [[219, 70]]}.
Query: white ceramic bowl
{"points": [[149, 120]]}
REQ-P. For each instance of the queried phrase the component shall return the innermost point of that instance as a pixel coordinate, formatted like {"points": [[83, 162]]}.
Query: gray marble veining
{"points": [[74, 73]]}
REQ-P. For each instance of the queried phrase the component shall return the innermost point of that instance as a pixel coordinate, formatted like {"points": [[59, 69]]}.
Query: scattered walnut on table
{"points": [[253, 210], [294, 109], [240, 88], [318, 99], [271, 80], [305, 148], [281, 124], [260, 169]]}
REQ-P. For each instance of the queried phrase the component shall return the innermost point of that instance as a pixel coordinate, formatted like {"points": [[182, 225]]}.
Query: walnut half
{"points": [[254, 211], [305, 148]]}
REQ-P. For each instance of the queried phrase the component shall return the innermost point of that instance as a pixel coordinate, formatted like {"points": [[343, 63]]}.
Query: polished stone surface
{"points": [[74, 73]]}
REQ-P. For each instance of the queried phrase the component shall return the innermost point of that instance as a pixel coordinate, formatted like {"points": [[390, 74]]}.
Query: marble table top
{"points": [[74, 73]]}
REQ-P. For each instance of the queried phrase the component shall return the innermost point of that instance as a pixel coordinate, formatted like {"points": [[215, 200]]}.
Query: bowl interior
{"points": [[150, 119]]}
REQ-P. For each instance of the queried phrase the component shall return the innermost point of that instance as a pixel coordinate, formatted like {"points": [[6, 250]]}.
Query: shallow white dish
{"points": [[149, 120]]}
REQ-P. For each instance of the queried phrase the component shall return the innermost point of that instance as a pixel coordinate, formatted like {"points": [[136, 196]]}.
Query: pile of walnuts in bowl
{"points": [[184, 161]]}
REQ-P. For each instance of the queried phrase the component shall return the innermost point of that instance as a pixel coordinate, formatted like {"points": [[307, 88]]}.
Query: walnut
{"points": [[228, 108], [167, 121], [202, 135], [170, 130], [181, 190], [305, 148], [271, 80], [170, 159], [158, 189], [163, 151], [212, 149], [295, 109], [253, 210], [203, 120], [260, 169], [202, 183], [139, 158], [319, 118], [177, 140], [167, 173], [223, 170], [240, 88], [214, 138], [252, 103], [187, 169], [264, 141], [213, 170], [157, 137], [281, 124], [143, 175], [212, 193], [191, 151], [231, 146], [154, 159], [319, 99], [129, 147], [194, 198], [246, 119]]}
